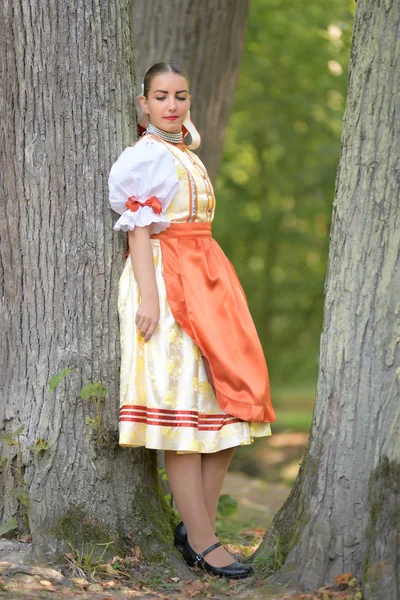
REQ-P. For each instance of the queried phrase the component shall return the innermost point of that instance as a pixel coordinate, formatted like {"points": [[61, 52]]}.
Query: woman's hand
{"points": [[147, 317]]}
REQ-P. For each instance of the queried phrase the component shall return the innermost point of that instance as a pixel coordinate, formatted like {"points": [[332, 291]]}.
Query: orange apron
{"points": [[208, 301]]}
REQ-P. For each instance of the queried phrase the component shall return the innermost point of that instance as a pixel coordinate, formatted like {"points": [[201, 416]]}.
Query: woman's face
{"points": [[168, 97]]}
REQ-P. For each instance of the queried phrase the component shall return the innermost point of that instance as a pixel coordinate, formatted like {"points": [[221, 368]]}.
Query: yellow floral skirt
{"points": [[166, 401]]}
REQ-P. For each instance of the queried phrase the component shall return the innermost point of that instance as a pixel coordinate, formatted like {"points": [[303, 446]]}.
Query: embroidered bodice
{"points": [[152, 172]]}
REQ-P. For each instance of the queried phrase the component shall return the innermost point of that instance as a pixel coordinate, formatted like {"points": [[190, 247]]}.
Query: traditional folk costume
{"points": [[166, 401]]}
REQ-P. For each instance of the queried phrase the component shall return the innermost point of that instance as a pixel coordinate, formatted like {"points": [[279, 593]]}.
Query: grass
{"points": [[294, 407], [292, 420], [292, 396]]}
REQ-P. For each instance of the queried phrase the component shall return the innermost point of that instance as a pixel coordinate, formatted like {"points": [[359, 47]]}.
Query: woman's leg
{"points": [[213, 470], [213, 466], [184, 473]]}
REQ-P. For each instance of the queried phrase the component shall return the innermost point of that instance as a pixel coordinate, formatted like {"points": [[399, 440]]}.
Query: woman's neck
{"points": [[172, 138]]}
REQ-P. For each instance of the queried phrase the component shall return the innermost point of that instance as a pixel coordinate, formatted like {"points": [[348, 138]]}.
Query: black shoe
{"points": [[180, 537], [236, 570]]}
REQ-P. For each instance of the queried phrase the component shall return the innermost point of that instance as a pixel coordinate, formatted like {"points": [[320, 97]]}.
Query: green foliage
{"points": [[272, 560], [276, 183], [93, 391], [11, 438], [9, 526], [58, 378], [226, 505], [86, 564], [163, 478], [21, 495], [162, 473], [40, 446]]}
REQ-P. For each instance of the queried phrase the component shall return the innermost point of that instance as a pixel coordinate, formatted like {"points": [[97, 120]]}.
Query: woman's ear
{"points": [[143, 104]]}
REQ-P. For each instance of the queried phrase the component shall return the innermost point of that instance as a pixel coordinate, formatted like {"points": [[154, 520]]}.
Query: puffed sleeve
{"points": [[142, 184]]}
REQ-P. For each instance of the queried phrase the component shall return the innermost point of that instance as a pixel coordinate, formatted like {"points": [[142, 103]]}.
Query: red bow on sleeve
{"points": [[133, 204]]}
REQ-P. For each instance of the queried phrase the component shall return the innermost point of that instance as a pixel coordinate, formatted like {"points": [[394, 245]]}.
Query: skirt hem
{"points": [[222, 446]]}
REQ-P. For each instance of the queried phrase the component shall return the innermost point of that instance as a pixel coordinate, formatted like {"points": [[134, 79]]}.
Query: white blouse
{"points": [[144, 170]]}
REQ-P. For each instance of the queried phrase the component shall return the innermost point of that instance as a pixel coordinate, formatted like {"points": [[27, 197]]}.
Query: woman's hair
{"points": [[158, 69]]}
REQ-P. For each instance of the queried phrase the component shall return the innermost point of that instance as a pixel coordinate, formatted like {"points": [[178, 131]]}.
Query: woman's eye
{"points": [[177, 97]]}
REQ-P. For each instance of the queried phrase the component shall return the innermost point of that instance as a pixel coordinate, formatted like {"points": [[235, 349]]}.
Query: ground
{"points": [[259, 479]]}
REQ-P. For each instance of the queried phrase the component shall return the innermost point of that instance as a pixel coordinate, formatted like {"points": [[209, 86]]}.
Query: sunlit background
{"points": [[275, 190]]}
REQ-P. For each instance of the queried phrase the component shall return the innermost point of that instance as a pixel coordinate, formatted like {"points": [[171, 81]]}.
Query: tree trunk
{"points": [[206, 39], [67, 112], [343, 514]]}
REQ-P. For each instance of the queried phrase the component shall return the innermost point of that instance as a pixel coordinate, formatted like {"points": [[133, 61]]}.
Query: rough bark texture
{"points": [[66, 113], [206, 39], [343, 514]]}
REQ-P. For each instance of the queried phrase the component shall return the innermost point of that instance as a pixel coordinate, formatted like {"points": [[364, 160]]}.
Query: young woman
{"points": [[194, 381]]}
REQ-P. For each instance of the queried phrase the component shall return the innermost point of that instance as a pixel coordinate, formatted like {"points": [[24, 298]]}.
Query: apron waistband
{"points": [[176, 230]]}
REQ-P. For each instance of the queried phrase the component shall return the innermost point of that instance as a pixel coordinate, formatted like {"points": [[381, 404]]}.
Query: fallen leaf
{"points": [[25, 539], [190, 589], [47, 584], [81, 582], [94, 587], [343, 580], [131, 533], [107, 568], [109, 584]]}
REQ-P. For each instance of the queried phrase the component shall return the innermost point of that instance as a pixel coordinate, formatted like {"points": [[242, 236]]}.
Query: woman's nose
{"points": [[172, 104]]}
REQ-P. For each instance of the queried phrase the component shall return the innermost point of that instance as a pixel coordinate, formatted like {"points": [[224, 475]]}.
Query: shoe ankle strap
{"points": [[200, 557]]}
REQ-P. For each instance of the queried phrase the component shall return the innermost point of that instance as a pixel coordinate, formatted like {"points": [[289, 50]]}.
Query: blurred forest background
{"points": [[276, 183]]}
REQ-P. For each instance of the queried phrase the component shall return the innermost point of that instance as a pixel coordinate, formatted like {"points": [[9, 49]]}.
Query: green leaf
{"points": [[93, 390], [41, 445], [22, 496], [57, 378], [226, 505], [162, 473], [18, 431], [3, 463], [9, 437], [12, 524]]}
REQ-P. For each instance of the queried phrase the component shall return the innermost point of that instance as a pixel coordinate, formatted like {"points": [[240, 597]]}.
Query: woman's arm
{"points": [[141, 253]]}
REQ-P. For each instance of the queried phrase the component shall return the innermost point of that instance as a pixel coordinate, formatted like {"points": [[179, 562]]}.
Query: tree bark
{"points": [[343, 514], [206, 39], [67, 111]]}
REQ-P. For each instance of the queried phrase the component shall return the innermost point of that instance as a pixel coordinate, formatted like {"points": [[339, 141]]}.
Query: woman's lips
{"points": [[171, 118]]}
